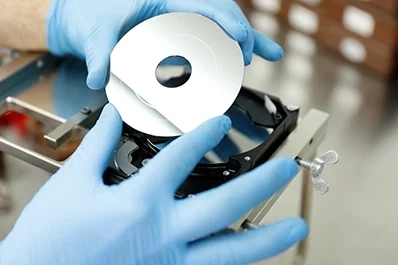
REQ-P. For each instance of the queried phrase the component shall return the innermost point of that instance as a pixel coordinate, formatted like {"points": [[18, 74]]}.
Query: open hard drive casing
{"points": [[137, 148]]}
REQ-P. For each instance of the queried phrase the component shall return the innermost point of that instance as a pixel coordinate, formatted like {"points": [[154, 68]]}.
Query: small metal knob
{"points": [[316, 168]]}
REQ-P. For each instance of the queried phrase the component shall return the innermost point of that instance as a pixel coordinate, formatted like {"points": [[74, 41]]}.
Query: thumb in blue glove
{"points": [[90, 29], [76, 219]]}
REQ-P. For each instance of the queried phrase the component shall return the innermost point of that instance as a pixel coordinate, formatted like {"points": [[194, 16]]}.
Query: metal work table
{"points": [[54, 92]]}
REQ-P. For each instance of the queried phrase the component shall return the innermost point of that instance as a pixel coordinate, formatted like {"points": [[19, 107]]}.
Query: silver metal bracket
{"points": [[316, 168], [86, 118]]}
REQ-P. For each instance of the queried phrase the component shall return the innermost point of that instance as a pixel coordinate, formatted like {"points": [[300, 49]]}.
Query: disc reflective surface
{"points": [[217, 70]]}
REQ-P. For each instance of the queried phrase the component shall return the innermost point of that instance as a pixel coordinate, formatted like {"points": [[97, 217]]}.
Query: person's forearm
{"points": [[23, 24]]}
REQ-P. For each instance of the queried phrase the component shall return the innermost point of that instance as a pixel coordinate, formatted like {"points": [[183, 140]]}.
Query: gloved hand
{"points": [[90, 29], [76, 219]]}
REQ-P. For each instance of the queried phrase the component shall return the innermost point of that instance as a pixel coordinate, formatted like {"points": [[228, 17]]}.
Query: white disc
{"points": [[216, 78]]}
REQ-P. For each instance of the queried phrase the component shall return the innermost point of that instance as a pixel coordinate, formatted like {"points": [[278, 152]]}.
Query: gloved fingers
{"points": [[247, 48], [248, 247], [97, 49], [266, 47], [218, 11], [256, 42], [216, 209], [170, 167], [247, 45], [93, 154]]}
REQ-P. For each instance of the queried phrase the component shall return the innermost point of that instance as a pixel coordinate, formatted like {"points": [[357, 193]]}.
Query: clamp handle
{"points": [[316, 168]]}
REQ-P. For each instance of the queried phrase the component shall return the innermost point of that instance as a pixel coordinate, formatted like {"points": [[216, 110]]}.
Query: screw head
{"points": [[145, 161], [39, 63], [85, 111], [191, 196], [248, 158], [226, 173]]}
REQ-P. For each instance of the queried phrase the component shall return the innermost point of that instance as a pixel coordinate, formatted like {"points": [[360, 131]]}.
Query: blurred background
{"points": [[340, 57]]}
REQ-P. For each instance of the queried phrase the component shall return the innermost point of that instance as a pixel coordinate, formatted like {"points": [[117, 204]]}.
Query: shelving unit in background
{"points": [[364, 33]]}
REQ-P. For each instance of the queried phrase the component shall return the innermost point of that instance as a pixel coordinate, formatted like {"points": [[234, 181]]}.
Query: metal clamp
{"points": [[316, 168], [65, 132]]}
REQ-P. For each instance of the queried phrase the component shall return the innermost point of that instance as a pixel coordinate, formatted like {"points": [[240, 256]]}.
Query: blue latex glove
{"points": [[90, 29], [76, 219]]}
